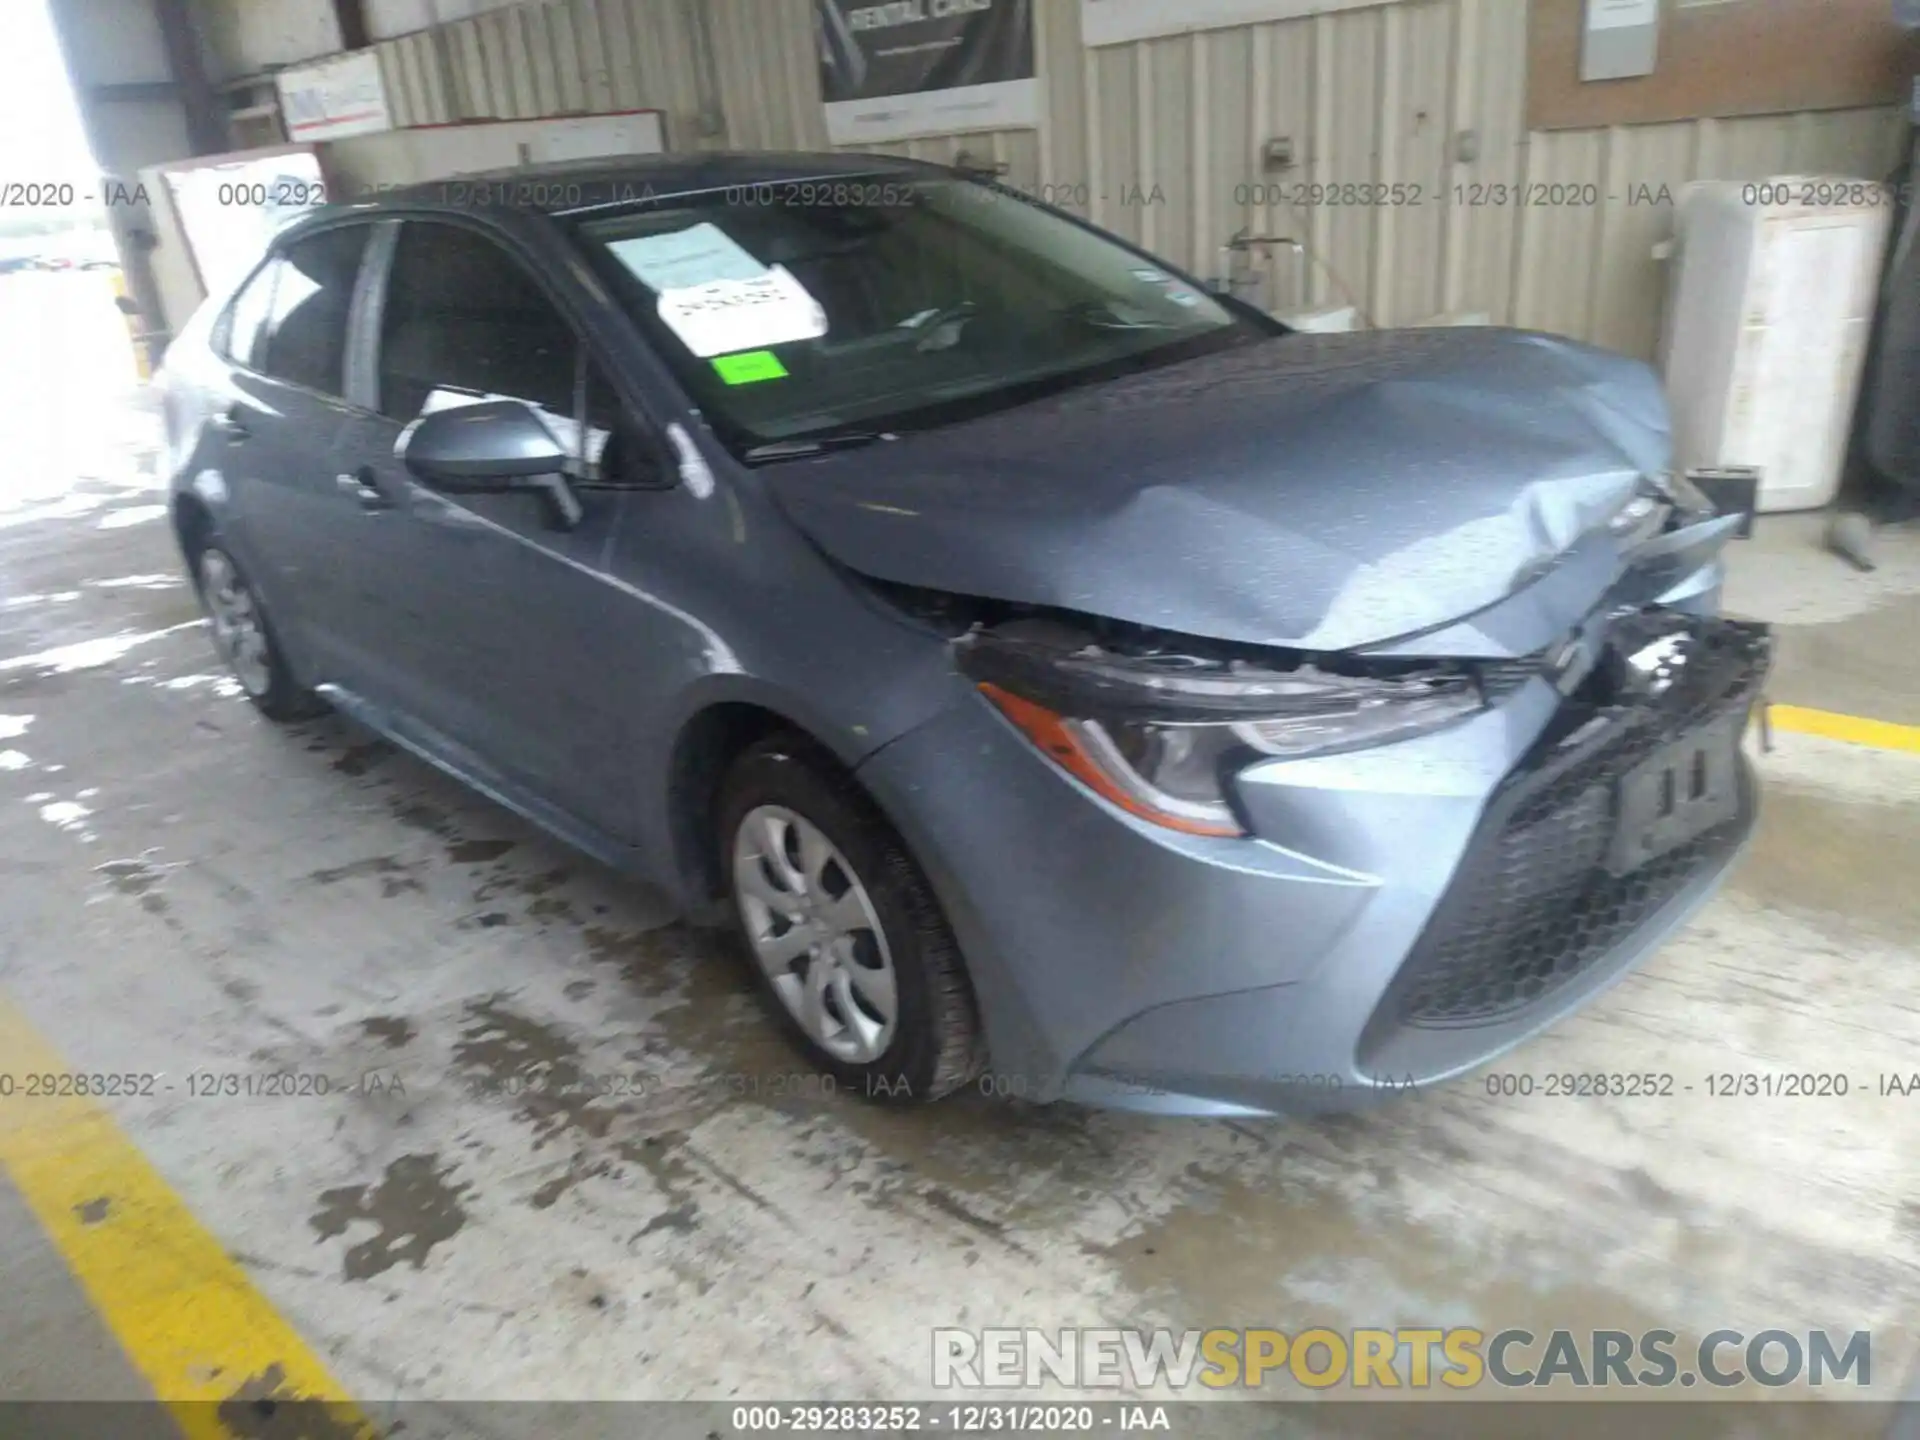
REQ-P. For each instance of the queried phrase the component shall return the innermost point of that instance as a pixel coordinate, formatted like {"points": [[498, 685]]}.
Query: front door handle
{"points": [[361, 487]]}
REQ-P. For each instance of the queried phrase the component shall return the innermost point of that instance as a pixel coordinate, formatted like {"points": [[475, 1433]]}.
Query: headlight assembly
{"points": [[1160, 735]]}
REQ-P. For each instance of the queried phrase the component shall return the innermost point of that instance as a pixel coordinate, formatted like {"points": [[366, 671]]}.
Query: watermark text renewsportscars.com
{"points": [[1400, 1358]]}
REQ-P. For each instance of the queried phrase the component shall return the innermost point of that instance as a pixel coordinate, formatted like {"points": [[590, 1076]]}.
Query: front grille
{"points": [[1534, 901]]}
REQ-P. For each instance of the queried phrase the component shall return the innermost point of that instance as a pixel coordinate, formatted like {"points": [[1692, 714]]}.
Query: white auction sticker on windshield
{"points": [[697, 255], [723, 316]]}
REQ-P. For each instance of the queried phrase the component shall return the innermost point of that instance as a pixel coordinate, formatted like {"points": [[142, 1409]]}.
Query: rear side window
{"points": [[306, 336], [462, 314], [247, 318]]}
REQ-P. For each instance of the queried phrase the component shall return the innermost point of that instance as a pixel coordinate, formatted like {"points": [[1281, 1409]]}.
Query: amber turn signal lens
{"points": [[1060, 740]]}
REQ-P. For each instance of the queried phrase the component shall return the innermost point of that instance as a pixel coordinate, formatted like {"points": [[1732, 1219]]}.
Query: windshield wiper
{"points": [[816, 444], [1101, 315], [939, 329]]}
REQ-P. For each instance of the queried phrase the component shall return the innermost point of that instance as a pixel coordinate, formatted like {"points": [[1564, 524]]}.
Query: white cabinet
{"points": [[1769, 308]]}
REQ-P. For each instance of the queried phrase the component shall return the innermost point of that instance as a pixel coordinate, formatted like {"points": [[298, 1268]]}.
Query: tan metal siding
{"points": [[1281, 105], [1489, 78], [1221, 142], [1349, 116], [769, 81], [1646, 166], [1416, 64], [1557, 230], [1425, 93], [1062, 62]]}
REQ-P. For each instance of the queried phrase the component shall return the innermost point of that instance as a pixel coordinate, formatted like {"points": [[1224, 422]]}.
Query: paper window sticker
{"points": [[725, 316], [698, 255]]}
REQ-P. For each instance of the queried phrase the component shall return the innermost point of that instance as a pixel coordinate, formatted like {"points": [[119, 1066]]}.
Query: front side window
{"points": [[889, 302], [465, 321], [305, 340], [463, 316]]}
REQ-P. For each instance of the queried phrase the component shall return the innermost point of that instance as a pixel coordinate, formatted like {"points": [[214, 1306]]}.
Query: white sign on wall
{"points": [[1619, 14], [1619, 39], [335, 98], [1115, 22]]}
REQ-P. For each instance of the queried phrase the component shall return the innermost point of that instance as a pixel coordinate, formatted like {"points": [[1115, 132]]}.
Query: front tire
{"points": [[244, 638], [844, 934]]}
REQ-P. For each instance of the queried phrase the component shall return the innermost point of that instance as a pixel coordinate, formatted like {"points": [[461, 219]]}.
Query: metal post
{"points": [[351, 17], [206, 121]]}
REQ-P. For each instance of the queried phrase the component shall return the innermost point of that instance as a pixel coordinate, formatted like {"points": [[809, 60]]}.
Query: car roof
{"points": [[576, 185]]}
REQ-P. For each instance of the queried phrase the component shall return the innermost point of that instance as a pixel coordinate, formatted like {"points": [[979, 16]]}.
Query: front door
{"points": [[497, 621]]}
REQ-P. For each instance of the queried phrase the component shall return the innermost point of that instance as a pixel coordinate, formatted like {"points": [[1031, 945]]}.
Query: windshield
{"points": [[839, 308]]}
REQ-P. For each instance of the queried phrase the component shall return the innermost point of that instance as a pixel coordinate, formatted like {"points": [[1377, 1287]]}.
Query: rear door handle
{"points": [[230, 425], [361, 487]]}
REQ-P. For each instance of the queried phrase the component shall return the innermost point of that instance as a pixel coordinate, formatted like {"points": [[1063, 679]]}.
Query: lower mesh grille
{"points": [[1534, 902]]}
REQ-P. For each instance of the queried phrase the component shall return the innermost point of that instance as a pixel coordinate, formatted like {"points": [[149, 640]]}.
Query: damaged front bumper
{"points": [[1397, 915]]}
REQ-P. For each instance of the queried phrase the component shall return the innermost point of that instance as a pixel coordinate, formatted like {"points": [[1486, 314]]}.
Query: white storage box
{"points": [[1768, 312]]}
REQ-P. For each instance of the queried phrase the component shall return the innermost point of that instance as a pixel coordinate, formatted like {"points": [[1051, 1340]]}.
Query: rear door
{"points": [[506, 631], [285, 340]]}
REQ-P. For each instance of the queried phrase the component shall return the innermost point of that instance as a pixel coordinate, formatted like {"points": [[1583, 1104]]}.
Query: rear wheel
{"points": [[846, 938], [244, 637]]}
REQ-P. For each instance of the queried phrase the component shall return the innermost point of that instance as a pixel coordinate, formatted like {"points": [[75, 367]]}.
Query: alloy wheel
{"points": [[239, 630], [814, 931]]}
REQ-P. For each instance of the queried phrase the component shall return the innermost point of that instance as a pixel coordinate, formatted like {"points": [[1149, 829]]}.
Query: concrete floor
{"points": [[185, 888]]}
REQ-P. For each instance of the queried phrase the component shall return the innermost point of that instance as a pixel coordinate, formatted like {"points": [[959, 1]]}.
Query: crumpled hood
{"points": [[1318, 491]]}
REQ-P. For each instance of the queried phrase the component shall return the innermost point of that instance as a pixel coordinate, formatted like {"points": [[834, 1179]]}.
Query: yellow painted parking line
{"points": [[1855, 729], [205, 1340]]}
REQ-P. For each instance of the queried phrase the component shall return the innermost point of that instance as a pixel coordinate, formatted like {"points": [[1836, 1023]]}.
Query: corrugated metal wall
{"points": [[1163, 141]]}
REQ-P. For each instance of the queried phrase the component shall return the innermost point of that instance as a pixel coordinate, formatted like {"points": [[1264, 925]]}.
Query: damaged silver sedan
{"points": [[1060, 677]]}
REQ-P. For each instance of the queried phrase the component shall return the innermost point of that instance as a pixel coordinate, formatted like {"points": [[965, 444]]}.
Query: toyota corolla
{"points": [[1040, 661]]}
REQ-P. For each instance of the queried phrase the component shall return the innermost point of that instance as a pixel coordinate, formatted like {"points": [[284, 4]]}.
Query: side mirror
{"points": [[495, 445]]}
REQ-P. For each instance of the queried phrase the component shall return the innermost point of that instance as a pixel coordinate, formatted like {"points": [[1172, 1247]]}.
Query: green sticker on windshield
{"points": [[749, 366]]}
